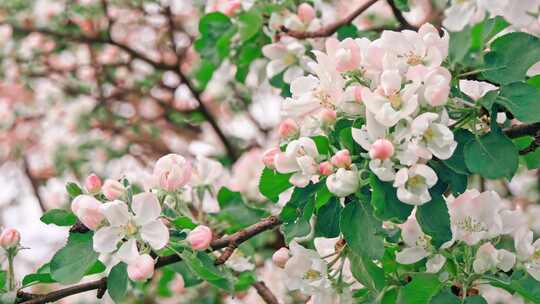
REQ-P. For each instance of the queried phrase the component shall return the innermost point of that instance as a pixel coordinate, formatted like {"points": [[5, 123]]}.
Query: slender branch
{"points": [[522, 130], [532, 147], [35, 185], [404, 24], [265, 293], [331, 28], [101, 284]]}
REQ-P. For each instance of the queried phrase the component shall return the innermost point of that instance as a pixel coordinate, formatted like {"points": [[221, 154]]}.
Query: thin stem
{"points": [[11, 270]]}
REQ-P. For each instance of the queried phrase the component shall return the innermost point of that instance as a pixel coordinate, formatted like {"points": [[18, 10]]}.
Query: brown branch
{"points": [[332, 28], [532, 147], [404, 24], [265, 293], [522, 130], [101, 284], [35, 185]]}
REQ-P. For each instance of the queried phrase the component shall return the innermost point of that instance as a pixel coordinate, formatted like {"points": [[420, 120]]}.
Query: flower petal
{"points": [[128, 252], [156, 234], [106, 239], [411, 255], [146, 208], [116, 213]]}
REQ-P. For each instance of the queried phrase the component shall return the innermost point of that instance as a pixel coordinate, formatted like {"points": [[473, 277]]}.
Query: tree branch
{"points": [[35, 185], [522, 130], [332, 28], [404, 24], [101, 284], [265, 293]]}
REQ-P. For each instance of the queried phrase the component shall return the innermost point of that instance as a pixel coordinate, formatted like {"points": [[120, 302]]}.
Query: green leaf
{"points": [[460, 43], [42, 275], [510, 57], [301, 225], [249, 24], [327, 224], [420, 290], [203, 265], [434, 220], [98, 267], [457, 182], [59, 217], [483, 32], [70, 263], [520, 282], [322, 196], [522, 99], [245, 280], [385, 202], [457, 161], [402, 5], [492, 156], [117, 282], [184, 222], [3, 279], [366, 272], [475, 300], [445, 296], [531, 159], [73, 190], [322, 143], [235, 212], [347, 31], [214, 24], [272, 184], [190, 278], [361, 230]]}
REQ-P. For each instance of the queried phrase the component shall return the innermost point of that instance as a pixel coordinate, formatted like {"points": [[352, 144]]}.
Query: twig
{"points": [[101, 284], [35, 185], [265, 293], [522, 130], [532, 147], [404, 24], [332, 28]]}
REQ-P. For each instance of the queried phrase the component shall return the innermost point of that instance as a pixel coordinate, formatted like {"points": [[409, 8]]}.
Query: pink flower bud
{"points": [[269, 157], [328, 116], [342, 159], [112, 189], [288, 128], [381, 149], [326, 168], [178, 286], [200, 237], [172, 172], [306, 13], [86, 208], [142, 268], [92, 183], [280, 257], [10, 238], [231, 7]]}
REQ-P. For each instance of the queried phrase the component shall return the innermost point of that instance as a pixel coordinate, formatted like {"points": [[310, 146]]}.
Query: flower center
{"points": [[312, 274], [470, 225], [131, 229], [413, 59], [325, 99], [395, 101], [416, 181], [289, 59], [429, 134]]}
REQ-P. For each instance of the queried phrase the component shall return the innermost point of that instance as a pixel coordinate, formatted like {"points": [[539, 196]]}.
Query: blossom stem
{"points": [[11, 269]]}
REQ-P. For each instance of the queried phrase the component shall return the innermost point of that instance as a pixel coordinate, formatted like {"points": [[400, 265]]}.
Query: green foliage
{"points": [[385, 203], [347, 31], [328, 216], [362, 231], [492, 155], [272, 184], [520, 282], [420, 290], [70, 263], [202, 264], [117, 282], [235, 212], [457, 161], [510, 57], [522, 99], [366, 272], [434, 220], [59, 217], [73, 190]]}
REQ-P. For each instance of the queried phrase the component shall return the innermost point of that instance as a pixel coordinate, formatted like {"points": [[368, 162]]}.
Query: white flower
{"points": [[390, 103], [462, 13], [417, 246], [144, 224], [434, 83], [494, 295], [306, 271], [284, 55], [206, 172], [436, 137], [413, 184], [343, 182], [528, 252], [239, 262], [475, 216], [475, 89], [488, 257], [299, 157]]}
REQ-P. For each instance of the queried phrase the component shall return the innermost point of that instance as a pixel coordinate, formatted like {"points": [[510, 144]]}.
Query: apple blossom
{"points": [[343, 182], [299, 157], [288, 129], [172, 172], [112, 189], [435, 137], [87, 210], [413, 184], [200, 237], [92, 183], [10, 238], [326, 168], [475, 89], [280, 257], [488, 257], [269, 157], [342, 159], [381, 149], [141, 268], [306, 13], [345, 53], [284, 56], [142, 223], [178, 285]]}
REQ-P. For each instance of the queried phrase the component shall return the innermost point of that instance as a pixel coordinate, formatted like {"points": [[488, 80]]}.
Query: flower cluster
{"points": [[397, 87]]}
